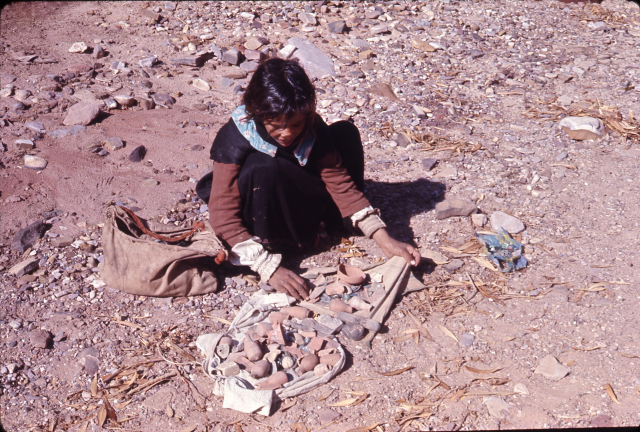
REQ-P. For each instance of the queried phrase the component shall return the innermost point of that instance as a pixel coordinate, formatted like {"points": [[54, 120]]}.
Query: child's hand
{"points": [[392, 247], [288, 282]]}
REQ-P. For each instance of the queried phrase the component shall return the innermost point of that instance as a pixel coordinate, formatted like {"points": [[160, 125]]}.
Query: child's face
{"points": [[287, 134]]}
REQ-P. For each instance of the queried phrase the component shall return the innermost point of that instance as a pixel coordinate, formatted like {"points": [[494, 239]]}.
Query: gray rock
{"points": [[479, 219], [316, 63], [147, 104], [99, 52], [226, 82], [34, 162], [138, 154], [25, 267], [454, 207], [379, 29], [353, 331], [78, 47], [88, 358], [307, 18], [35, 126], [453, 266], [401, 139], [466, 340], [164, 99], [62, 241], [327, 415], [15, 324], [114, 143], [81, 114], [337, 26], [254, 55], [474, 53], [249, 66], [507, 222], [428, 164], [24, 144], [232, 56], [40, 338], [496, 406], [148, 62], [562, 156], [551, 368], [26, 237]]}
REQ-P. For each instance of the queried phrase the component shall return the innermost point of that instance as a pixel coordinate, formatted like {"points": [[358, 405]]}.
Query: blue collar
{"points": [[248, 130]]}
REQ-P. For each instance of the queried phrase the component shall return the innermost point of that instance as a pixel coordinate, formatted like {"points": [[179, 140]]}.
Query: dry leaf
{"points": [[84, 427], [287, 405], [169, 411], [344, 403], [611, 393], [451, 249], [94, 386], [102, 416], [189, 428], [128, 324], [401, 338], [484, 263], [569, 166], [481, 371], [423, 330], [324, 397], [447, 332], [365, 428], [396, 372], [111, 413]]}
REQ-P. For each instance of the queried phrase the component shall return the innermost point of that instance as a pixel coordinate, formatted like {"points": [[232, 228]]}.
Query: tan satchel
{"points": [[153, 259]]}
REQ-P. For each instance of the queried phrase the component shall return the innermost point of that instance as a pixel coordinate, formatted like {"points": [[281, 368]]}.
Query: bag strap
{"points": [[197, 226]]}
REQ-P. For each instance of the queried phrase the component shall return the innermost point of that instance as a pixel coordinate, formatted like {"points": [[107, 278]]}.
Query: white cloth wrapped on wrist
{"points": [[251, 253], [368, 220]]}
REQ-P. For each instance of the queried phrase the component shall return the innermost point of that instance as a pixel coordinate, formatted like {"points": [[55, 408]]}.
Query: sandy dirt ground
{"points": [[454, 100]]}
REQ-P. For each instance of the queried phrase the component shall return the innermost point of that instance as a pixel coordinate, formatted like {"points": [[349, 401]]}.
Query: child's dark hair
{"points": [[279, 87]]}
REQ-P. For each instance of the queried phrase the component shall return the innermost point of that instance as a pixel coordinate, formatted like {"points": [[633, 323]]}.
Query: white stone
{"points": [[479, 219], [582, 128], [507, 222], [551, 368], [34, 162], [201, 84], [78, 47]]}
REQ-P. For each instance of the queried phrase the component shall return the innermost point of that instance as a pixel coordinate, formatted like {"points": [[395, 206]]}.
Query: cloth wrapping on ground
{"points": [[503, 251], [238, 391], [396, 277]]}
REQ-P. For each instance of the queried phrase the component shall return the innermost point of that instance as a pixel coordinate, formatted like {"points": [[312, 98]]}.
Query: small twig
{"points": [[474, 285], [109, 377], [152, 383]]}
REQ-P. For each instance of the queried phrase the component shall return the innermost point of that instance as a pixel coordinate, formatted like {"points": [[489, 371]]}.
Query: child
{"points": [[279, 171]]}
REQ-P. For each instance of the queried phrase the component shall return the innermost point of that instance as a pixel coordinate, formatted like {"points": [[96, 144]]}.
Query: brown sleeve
{"points": [[225, 207], [340, 185]]}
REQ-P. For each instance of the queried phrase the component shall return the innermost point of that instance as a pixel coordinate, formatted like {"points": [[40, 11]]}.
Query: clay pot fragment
{"points": [[337, 305], [260, 369], [335, 288], [359, 304], [276, 318], [330, 359], [275, 381], [252, 350], [297, 312], [263, 328], [308, 362], [351, 275]]}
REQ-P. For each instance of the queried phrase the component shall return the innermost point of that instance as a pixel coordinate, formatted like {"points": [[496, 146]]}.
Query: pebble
{"points": [[164, 98], [496, 406], [250, 66], [78, 47], [453, 265], [428, 164], [479, 219], [327, 415], [201, 84], [466, 340], [22, 95], [148, 62], [138, 154], [24, 144], [231, 56], [401, 139], [510, 224], [150, 182], [454, 207], [25, 267], [551, 368], [62, 241], [15, 324], [99, 52], [114, 143], [35, 126], [125, 100], [40, 338], [315, 62], [81, 114]]}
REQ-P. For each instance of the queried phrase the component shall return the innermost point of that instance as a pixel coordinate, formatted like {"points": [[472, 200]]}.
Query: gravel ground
{"points": [[454, 101]]}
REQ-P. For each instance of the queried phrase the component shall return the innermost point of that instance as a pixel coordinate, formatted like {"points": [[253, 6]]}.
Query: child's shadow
{"points": [[398, 202]]}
